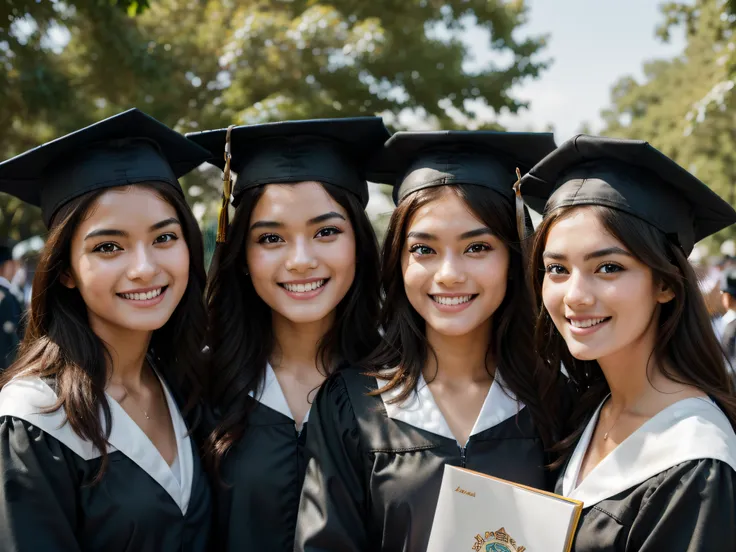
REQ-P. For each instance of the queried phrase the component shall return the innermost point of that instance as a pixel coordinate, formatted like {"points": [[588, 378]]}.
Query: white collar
{"points": [[420, 409], [690, 429], [24, 398], [727, 318], [271, 395]]}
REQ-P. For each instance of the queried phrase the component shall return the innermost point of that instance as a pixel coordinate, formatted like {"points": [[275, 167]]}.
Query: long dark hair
{"points": [[685, 336], [241, 336], [405, 346], [59, 343]]}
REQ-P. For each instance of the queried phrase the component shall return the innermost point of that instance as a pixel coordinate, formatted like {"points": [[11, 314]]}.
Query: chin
{"points": [[305, 316], [452, 330]]}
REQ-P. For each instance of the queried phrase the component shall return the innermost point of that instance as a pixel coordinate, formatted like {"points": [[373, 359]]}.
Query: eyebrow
{"points": [[464, 236], [594, 255], [316, 220], [111, 232]]}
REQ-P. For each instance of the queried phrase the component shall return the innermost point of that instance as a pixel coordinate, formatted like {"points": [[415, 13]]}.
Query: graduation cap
{"points": [[127, 148], [331, 151], [728, 282], [6, 249], [633, 177], [412, 161]]}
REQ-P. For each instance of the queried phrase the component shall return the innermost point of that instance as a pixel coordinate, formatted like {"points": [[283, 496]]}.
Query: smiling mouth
{"points": [[146, 296], [452, 301], [588, 322], [304, 288]]}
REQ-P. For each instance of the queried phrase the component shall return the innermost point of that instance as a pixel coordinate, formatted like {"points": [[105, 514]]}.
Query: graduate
{"points": [[95, 453], [293, 296], [455, 380], [654, 451]]}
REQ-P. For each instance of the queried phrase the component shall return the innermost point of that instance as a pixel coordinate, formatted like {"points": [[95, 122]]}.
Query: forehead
{"points": [[295, 203], [580, 231], [130, 207], [446, 214]]}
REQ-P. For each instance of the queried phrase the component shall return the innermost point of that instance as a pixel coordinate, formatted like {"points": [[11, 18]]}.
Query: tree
{"points": [[685, 107], [197, 64]]}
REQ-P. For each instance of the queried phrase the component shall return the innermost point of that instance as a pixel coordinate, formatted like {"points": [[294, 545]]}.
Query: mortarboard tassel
{"points": [[223, 220], [520, 217]]}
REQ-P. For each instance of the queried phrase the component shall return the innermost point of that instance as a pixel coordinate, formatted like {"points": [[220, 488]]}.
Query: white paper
{"points": [[472, 508]]}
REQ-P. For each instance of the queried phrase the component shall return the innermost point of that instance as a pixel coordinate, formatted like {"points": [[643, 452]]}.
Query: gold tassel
{"points": [[223, 220], [520, 218]]}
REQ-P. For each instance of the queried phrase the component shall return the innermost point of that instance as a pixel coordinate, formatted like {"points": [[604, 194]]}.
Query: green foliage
{"points": [[686, 106], [197, 64]]}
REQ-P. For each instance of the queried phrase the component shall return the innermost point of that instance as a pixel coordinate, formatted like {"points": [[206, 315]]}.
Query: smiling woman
{"points": [[455, 380], [653, 454], [293, 296], [95, 452]]}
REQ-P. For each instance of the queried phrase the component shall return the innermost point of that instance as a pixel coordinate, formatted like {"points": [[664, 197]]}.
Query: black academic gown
{"points": [[669, 487], [47, 502], [257, 501], [375, 468]]}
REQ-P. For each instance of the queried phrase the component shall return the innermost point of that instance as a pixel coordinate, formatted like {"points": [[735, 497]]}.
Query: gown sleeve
{"points": [[38, 506], [692, 509], [332, 511]]}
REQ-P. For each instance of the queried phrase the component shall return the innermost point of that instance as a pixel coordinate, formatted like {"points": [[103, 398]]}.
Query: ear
{"points": [[66, 280], [665, 294]]}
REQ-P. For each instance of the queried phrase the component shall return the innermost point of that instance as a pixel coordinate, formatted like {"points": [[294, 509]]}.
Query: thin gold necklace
{"points": [[128, 394]]}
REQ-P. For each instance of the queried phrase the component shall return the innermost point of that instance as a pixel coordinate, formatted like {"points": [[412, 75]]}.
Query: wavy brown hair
{"points": [[60, 346], [405, 345], [240, 331], [685, 337]]}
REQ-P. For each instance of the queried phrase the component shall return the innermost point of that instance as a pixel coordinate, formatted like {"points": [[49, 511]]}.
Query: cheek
{"points": [[262, 262], [552, 296], [340, 257], [416, 277]]}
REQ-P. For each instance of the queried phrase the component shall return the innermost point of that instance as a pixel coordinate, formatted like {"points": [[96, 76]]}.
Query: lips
{"points": [[452, 300], [143, 295], [583, 323], [304, 287]]}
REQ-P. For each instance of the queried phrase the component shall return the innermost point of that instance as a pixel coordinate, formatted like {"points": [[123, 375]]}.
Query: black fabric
{"points": [[256, 503], [631, 176], [11, 312], [332, 151], [689, 508], [47, 502], [372, 482], [412, 161], [128, 148]]}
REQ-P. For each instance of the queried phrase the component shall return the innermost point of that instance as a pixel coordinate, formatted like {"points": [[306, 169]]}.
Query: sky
{"points": [[592, 43]]}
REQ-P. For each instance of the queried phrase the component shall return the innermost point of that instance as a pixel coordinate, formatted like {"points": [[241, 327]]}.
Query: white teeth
{"points": [[302, 288], [586, 323], [142, 296], [442, 300]]}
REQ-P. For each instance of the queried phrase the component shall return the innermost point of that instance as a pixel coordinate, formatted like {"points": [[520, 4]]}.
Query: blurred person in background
{"points": [[11, 306], [728, 320]]}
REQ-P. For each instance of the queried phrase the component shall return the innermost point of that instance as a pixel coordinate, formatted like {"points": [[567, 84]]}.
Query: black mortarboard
{"points": [[6, 250], [634, 177], [412, 161], [332, 151], [128, 148], [728, 282]]}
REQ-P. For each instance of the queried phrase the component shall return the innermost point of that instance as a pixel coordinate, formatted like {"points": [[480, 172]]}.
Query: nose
{"points": [[578, 292], [143, 265], [301, 256], [450, 271]]}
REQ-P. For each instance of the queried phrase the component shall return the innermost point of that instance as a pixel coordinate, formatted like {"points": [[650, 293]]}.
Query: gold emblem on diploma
{"points": [[498, 541]]}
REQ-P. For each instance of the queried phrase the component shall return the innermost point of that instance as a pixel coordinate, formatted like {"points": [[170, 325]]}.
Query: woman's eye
{"points": [[269, 238], [555, 269], [165, 238], [329, 231], [610, 268], [107, 248], [420, 250], [478, 248]]}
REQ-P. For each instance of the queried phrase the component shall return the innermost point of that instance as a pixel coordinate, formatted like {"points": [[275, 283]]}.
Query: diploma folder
{"points": [[480, 513]]}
